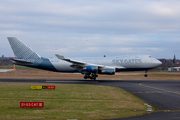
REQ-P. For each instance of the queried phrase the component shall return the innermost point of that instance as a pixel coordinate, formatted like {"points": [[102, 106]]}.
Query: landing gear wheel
{"points": [[87, 76], [94, 75], [94, 78]]}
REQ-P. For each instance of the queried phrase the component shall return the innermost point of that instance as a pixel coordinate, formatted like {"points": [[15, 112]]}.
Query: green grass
{"points": [[68, 101]]}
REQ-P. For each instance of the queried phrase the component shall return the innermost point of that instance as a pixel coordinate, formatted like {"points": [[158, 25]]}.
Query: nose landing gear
{"points": [[146, 75]]}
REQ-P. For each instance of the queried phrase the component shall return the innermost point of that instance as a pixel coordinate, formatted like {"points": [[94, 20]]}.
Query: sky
{"points": [[92, 28]]}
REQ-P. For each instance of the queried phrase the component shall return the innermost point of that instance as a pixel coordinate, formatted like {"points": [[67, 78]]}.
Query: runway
{"points": [[163, 94]]}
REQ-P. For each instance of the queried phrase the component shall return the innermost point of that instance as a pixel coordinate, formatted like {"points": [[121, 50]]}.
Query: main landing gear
{"points": [[145, 74], [92, 76]]}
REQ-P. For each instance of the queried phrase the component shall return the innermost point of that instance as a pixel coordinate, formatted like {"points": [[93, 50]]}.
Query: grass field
{"points": [[82, 102], [72, 101]]}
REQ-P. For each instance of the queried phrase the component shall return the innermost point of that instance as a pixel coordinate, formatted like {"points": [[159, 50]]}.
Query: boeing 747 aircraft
{"points": [[90, 67]]}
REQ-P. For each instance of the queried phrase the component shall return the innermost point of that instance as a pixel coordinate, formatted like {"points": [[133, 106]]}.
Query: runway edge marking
{"points": [[159, 89]]}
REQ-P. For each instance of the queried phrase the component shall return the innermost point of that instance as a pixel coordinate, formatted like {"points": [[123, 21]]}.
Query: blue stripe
{"points": [[46, 65]]}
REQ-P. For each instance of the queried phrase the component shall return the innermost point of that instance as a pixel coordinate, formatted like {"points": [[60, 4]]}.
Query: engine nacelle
{"points": [[91, 68], [109, 71]]}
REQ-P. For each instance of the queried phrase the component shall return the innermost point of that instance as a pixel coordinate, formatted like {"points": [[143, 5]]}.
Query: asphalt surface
{"points": [[165, 95]]}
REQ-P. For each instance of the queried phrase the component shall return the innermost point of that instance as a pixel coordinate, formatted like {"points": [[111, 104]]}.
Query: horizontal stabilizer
{"points": [[21, 61]]}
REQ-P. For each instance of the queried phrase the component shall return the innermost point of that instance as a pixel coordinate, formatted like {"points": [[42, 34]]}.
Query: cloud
{"points": [[164, 9], [92, 28], [133, 50]]}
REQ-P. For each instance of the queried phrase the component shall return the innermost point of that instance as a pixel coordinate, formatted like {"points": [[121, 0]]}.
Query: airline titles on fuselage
{"points": [[126, 61]]}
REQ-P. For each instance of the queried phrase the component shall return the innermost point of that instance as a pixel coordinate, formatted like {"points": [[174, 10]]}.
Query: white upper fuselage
{"points": [[124, 63]]}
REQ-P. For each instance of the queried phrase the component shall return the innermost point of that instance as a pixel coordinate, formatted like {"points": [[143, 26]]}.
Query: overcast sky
{"points": [[92, 27]]}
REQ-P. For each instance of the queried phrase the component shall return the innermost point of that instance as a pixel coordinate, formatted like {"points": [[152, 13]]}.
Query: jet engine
{"points": [[108, 71], [95, 69], [91, 69]]}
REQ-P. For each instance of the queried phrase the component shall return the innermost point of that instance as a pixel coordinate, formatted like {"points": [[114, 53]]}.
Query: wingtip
{"points": [[59, 56]]}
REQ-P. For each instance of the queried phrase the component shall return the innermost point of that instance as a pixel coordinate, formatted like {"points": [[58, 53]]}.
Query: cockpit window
{"points": [[150, 56]]}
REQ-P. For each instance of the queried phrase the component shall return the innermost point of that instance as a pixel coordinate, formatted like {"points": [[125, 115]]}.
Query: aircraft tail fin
{"points": [[21, 50]]}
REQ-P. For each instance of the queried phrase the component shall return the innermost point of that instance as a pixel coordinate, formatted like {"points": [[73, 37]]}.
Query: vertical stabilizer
{"points": [[21, 51]]}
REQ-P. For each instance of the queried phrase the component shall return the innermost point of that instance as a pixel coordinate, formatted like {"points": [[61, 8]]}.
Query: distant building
{"points": [[174, 60], [173, 69]]}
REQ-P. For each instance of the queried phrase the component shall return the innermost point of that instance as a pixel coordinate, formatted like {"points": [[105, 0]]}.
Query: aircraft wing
{"points": [[71, 61], [83, 64]]}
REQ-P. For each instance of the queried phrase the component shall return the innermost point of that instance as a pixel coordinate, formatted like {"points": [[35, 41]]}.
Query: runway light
{"points": [[134, 109], [116, 109], [32, 104]]}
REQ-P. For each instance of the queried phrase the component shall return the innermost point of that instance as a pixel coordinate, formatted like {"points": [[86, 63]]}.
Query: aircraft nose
{"points": [[158, 63]]}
